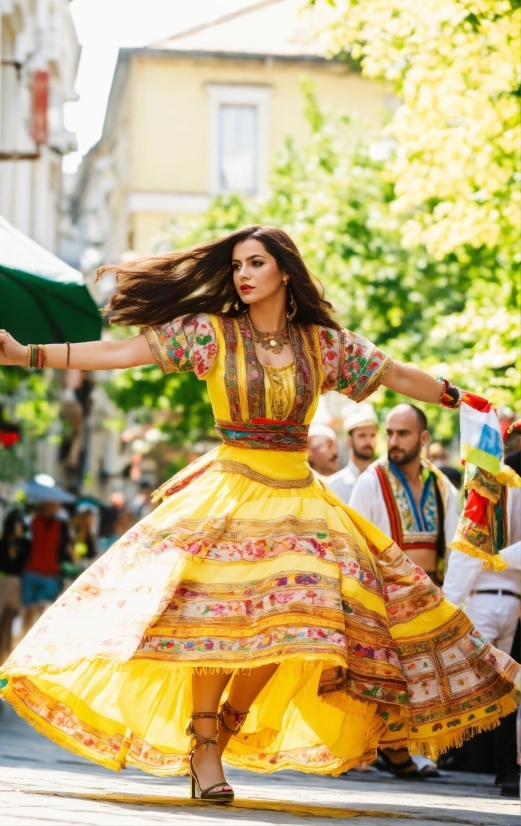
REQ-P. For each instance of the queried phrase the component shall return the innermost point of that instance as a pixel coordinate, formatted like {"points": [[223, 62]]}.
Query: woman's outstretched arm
{"points": [[89, 355], [412, 382]]}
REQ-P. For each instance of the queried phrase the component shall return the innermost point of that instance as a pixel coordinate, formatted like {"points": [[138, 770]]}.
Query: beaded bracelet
{"points": [[36, 356], [450, 395], [444, 386]]}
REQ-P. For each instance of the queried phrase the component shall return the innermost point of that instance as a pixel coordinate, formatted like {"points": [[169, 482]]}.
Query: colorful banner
{"points": [[481, 442]]}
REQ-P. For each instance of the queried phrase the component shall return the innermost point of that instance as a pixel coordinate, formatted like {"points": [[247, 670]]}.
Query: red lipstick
{"points": [[245, 288]]}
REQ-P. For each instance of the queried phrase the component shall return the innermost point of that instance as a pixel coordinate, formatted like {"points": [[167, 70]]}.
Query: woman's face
{"points": [[256, 274]]}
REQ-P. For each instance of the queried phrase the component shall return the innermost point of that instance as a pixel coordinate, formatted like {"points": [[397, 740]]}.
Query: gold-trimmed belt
{"points": [[264, 434], [229, 466]]}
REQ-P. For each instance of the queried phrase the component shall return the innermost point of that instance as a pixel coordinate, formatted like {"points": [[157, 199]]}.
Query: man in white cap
{"points": [[322, 450], [360, 426]]}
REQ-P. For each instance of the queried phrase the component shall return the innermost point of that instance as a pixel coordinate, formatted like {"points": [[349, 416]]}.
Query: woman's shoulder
{"points": [[330, 339], [202, 322]]}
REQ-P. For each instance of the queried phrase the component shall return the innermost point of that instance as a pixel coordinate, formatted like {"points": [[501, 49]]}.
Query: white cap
{"points": [[321, 430], [359, 416]]}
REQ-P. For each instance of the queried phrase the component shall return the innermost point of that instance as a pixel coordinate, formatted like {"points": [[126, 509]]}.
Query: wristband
{"points": [[36, 356], [450, 395]]}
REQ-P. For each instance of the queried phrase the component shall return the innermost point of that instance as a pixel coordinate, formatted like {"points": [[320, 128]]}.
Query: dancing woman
{"points": [[252, 605]]}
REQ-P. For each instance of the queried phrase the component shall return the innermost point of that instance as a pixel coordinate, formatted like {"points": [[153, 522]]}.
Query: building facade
{"points": [[39, 54], [201, 114]]}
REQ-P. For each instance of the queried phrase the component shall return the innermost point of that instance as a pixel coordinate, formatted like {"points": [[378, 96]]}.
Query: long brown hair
{"points": [[154, 290]]}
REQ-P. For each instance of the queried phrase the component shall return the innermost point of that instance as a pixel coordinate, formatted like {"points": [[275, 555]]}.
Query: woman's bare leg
{"points": [[245, 688], [207, 690]]}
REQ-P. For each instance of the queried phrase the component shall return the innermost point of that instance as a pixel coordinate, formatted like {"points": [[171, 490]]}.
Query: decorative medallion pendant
{"points": [[270, 341]]}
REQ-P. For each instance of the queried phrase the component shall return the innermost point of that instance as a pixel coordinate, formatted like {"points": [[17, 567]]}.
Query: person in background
{"points": [[141, 503], [50, 547], [14, 550], [85, 543], [322, 450], [410, 499], [513, 460], [492, 600], [437, 454], [507, 418], [360, 425]]}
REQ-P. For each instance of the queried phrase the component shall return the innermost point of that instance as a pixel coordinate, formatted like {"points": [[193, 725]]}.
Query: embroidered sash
{"points": [[266, 434], [392, 508]]}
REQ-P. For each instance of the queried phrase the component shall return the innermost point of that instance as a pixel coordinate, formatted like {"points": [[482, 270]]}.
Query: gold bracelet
{"points": [[68, 353], [36, 356]]}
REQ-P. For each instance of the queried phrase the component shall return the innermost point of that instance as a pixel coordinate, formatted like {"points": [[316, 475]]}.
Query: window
{"points": [[238, 148], [238, 138]]}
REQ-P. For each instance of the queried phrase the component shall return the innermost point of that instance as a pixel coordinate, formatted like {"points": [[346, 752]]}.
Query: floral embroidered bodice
{"points": [[219, 347]]}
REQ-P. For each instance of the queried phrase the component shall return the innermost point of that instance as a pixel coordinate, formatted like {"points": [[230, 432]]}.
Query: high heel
{"points": [[406, 769], [196, 793], [240, 717]]}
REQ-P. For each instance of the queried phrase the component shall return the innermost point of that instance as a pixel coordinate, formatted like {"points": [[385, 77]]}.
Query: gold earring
{"points": [[292, 306], [236, 306]]}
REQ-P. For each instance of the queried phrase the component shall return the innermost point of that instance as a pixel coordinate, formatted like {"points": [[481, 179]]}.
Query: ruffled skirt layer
{"points": [[231, 573]]}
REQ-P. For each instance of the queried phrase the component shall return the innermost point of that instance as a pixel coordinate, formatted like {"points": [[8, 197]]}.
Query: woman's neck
{"points": [[268, 316]]}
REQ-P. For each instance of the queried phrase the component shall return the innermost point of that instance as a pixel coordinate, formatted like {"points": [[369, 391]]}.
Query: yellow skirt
{"points": [[232, 573]]}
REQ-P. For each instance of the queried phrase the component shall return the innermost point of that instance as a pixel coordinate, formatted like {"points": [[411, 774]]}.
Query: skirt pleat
{"points": [[229, 574]]}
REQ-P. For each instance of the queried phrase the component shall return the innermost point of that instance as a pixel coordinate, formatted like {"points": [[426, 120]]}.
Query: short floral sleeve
{"points": [[181, 346], [352, 364]]}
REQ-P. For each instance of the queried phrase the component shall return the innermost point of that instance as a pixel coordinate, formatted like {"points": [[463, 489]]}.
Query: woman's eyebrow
{"points": [[249, 258]]}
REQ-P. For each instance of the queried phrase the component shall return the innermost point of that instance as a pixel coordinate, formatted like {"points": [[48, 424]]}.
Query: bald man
{"points": [[408, 497]]}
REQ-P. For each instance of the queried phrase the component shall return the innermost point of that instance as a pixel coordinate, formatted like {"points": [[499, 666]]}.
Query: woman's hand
{"points": [[11, 352], [88, 355]]}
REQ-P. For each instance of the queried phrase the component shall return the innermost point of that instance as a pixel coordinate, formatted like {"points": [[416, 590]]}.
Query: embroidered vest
{"points": [[415, 540], [257, 431]]}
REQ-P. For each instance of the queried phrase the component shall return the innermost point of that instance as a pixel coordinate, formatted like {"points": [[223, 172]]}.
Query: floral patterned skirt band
{"points": [[264, 434]]}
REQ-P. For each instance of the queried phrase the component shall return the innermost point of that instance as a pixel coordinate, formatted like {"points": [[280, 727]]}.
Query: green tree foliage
{"points": [[29, 399], [455, 168], [178, 403], [334, 197]]}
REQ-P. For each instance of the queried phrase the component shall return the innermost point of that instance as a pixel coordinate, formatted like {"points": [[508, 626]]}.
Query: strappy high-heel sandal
{"points": [[240, 717], [226, 793], [407, 769]]}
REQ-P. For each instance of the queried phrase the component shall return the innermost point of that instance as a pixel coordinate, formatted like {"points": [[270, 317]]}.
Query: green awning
{"points": [[42, 299]]}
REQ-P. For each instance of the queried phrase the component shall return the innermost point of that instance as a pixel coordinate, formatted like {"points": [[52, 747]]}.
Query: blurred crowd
{"points": [[46, 544]]}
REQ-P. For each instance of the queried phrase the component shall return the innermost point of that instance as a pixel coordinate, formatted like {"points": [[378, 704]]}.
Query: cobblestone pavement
{"points": [[43, 785]]}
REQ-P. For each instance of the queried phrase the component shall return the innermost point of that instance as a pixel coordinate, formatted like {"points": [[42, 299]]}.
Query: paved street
{"points": [[42, 784]]}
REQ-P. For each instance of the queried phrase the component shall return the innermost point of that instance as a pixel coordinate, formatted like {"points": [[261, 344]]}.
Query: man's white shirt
{"points": [[368, 499], [343, 481], [466, 573]]}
